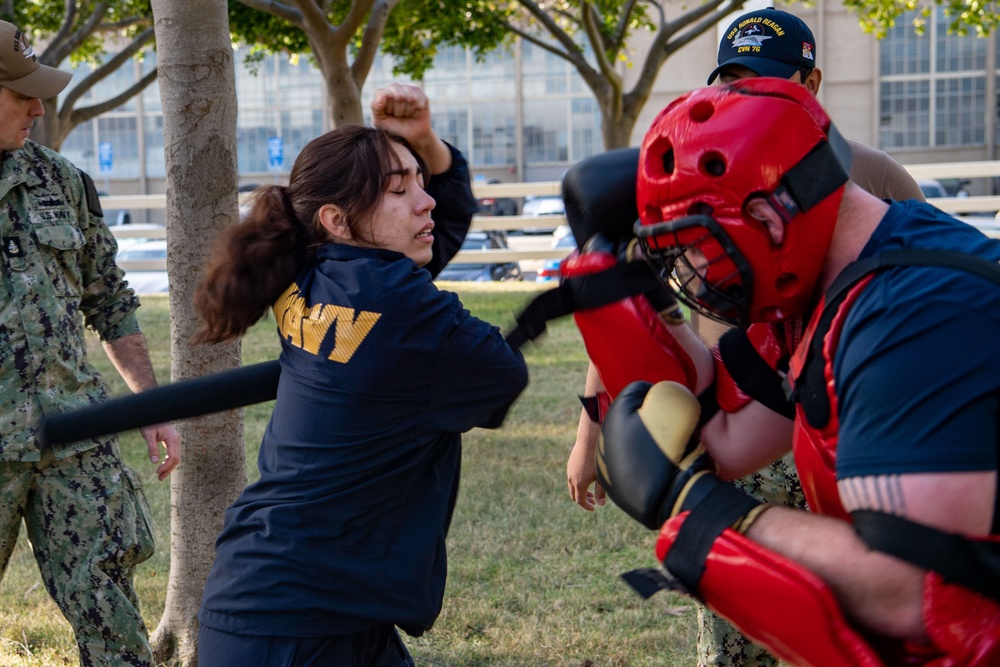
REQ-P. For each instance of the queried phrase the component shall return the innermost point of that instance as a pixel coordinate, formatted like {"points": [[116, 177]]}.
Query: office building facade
{"points": [[525, 114]]}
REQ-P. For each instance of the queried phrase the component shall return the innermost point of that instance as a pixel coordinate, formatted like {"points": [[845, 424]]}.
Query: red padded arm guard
{"points": [[783, 606], [775, 602], [626, 340], [962, 624]]}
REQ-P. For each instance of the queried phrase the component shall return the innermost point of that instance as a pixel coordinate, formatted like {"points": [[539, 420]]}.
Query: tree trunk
{"points": [[344, 95], [198, 92], [616, 130]]}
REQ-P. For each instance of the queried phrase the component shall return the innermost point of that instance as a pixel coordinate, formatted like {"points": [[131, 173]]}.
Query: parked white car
{"points": [[931, 188], [541, 207], [145, 281]]}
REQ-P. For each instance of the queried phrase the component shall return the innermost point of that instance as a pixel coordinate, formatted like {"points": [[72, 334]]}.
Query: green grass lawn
{"points": [[533, 579]]}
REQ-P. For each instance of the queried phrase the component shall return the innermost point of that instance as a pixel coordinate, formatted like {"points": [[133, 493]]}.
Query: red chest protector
{"points": [[815, 448], [963, 625]]}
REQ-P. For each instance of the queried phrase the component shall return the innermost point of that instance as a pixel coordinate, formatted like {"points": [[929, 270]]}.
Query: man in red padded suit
{"points": [[890, 313]]}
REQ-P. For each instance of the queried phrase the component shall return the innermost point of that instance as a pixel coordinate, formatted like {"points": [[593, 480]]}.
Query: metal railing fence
{"points": [[954, 205]]}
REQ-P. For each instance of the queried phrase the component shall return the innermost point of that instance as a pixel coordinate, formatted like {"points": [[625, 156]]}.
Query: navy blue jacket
{"points": [[381, 373]]}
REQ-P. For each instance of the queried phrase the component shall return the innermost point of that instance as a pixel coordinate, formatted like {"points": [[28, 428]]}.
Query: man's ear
{"points": [[335, 222], [813, 81], [759, 209]]}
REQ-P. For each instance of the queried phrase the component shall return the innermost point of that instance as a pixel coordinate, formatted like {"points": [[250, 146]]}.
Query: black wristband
{"points": [[592, 406]]}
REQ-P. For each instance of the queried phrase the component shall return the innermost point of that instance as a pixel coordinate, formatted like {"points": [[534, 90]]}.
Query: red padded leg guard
{"points": [[626, 340], [775, 602]]}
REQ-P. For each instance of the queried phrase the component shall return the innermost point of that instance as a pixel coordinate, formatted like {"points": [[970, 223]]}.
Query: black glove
{"points": [[649, 450], [650, 459]]}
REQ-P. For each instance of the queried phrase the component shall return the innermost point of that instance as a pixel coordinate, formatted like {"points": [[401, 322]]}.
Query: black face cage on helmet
{"points": [[722, 299]]}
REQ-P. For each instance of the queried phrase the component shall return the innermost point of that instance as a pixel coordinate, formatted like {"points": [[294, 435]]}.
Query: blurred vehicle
{"points": [[956, 187], [483, 272], [245, 202], [138, 232], [549, 270], [145, 281], [931, 188], [497, 205], [541, 207], [113, 216]]}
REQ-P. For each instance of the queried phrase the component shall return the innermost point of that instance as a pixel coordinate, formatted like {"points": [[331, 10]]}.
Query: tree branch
{"points": [[528, 37], [84, 114], [662, 47], [709, 9], [553, 28], [606, 67], [566, 15], [351, 22], [124, 23], [279, 9], [370, 40], [622, 29], [597, 20], [106, 69], [659, 10], [64, 41]]}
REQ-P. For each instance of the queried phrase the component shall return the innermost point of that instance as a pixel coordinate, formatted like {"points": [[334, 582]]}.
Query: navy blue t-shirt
{"points": [[380, 374], [917, 370]]}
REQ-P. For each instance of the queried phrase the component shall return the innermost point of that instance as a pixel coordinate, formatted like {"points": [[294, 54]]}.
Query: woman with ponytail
{"points": [[342, 540]]}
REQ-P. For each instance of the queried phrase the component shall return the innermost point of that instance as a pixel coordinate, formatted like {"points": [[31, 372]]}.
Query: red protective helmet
{"points": [[704, 157]]}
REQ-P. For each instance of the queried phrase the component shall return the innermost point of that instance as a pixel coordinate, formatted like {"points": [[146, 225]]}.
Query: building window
{"points": [[80, 148], [253, 129], [933, 86], [155, 164], [585, 122], [906, 116], [474, 104], [494, 132], [451, 124], [562, 122], [960, 112]]}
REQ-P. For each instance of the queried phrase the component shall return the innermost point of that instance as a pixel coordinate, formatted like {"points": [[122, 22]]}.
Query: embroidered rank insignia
{"points": [[12, 247]]}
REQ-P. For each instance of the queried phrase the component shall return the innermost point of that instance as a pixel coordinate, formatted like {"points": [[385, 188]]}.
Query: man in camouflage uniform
{"points": [[84, 510]]}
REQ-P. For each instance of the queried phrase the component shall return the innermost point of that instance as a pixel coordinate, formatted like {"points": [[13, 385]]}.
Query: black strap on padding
{"points": [[93, 199], [969, 563], [721, 508], [593, 290], [810, 387], [752, 374], [822, 171], [592, 406]]}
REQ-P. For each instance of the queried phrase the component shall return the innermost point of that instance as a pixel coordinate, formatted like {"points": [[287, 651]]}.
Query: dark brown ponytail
{"points": [[253, 262]]}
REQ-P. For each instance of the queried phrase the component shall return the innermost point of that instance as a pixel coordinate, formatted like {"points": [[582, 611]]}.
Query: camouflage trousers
{"points": [[88, 524], [719, 643]]}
